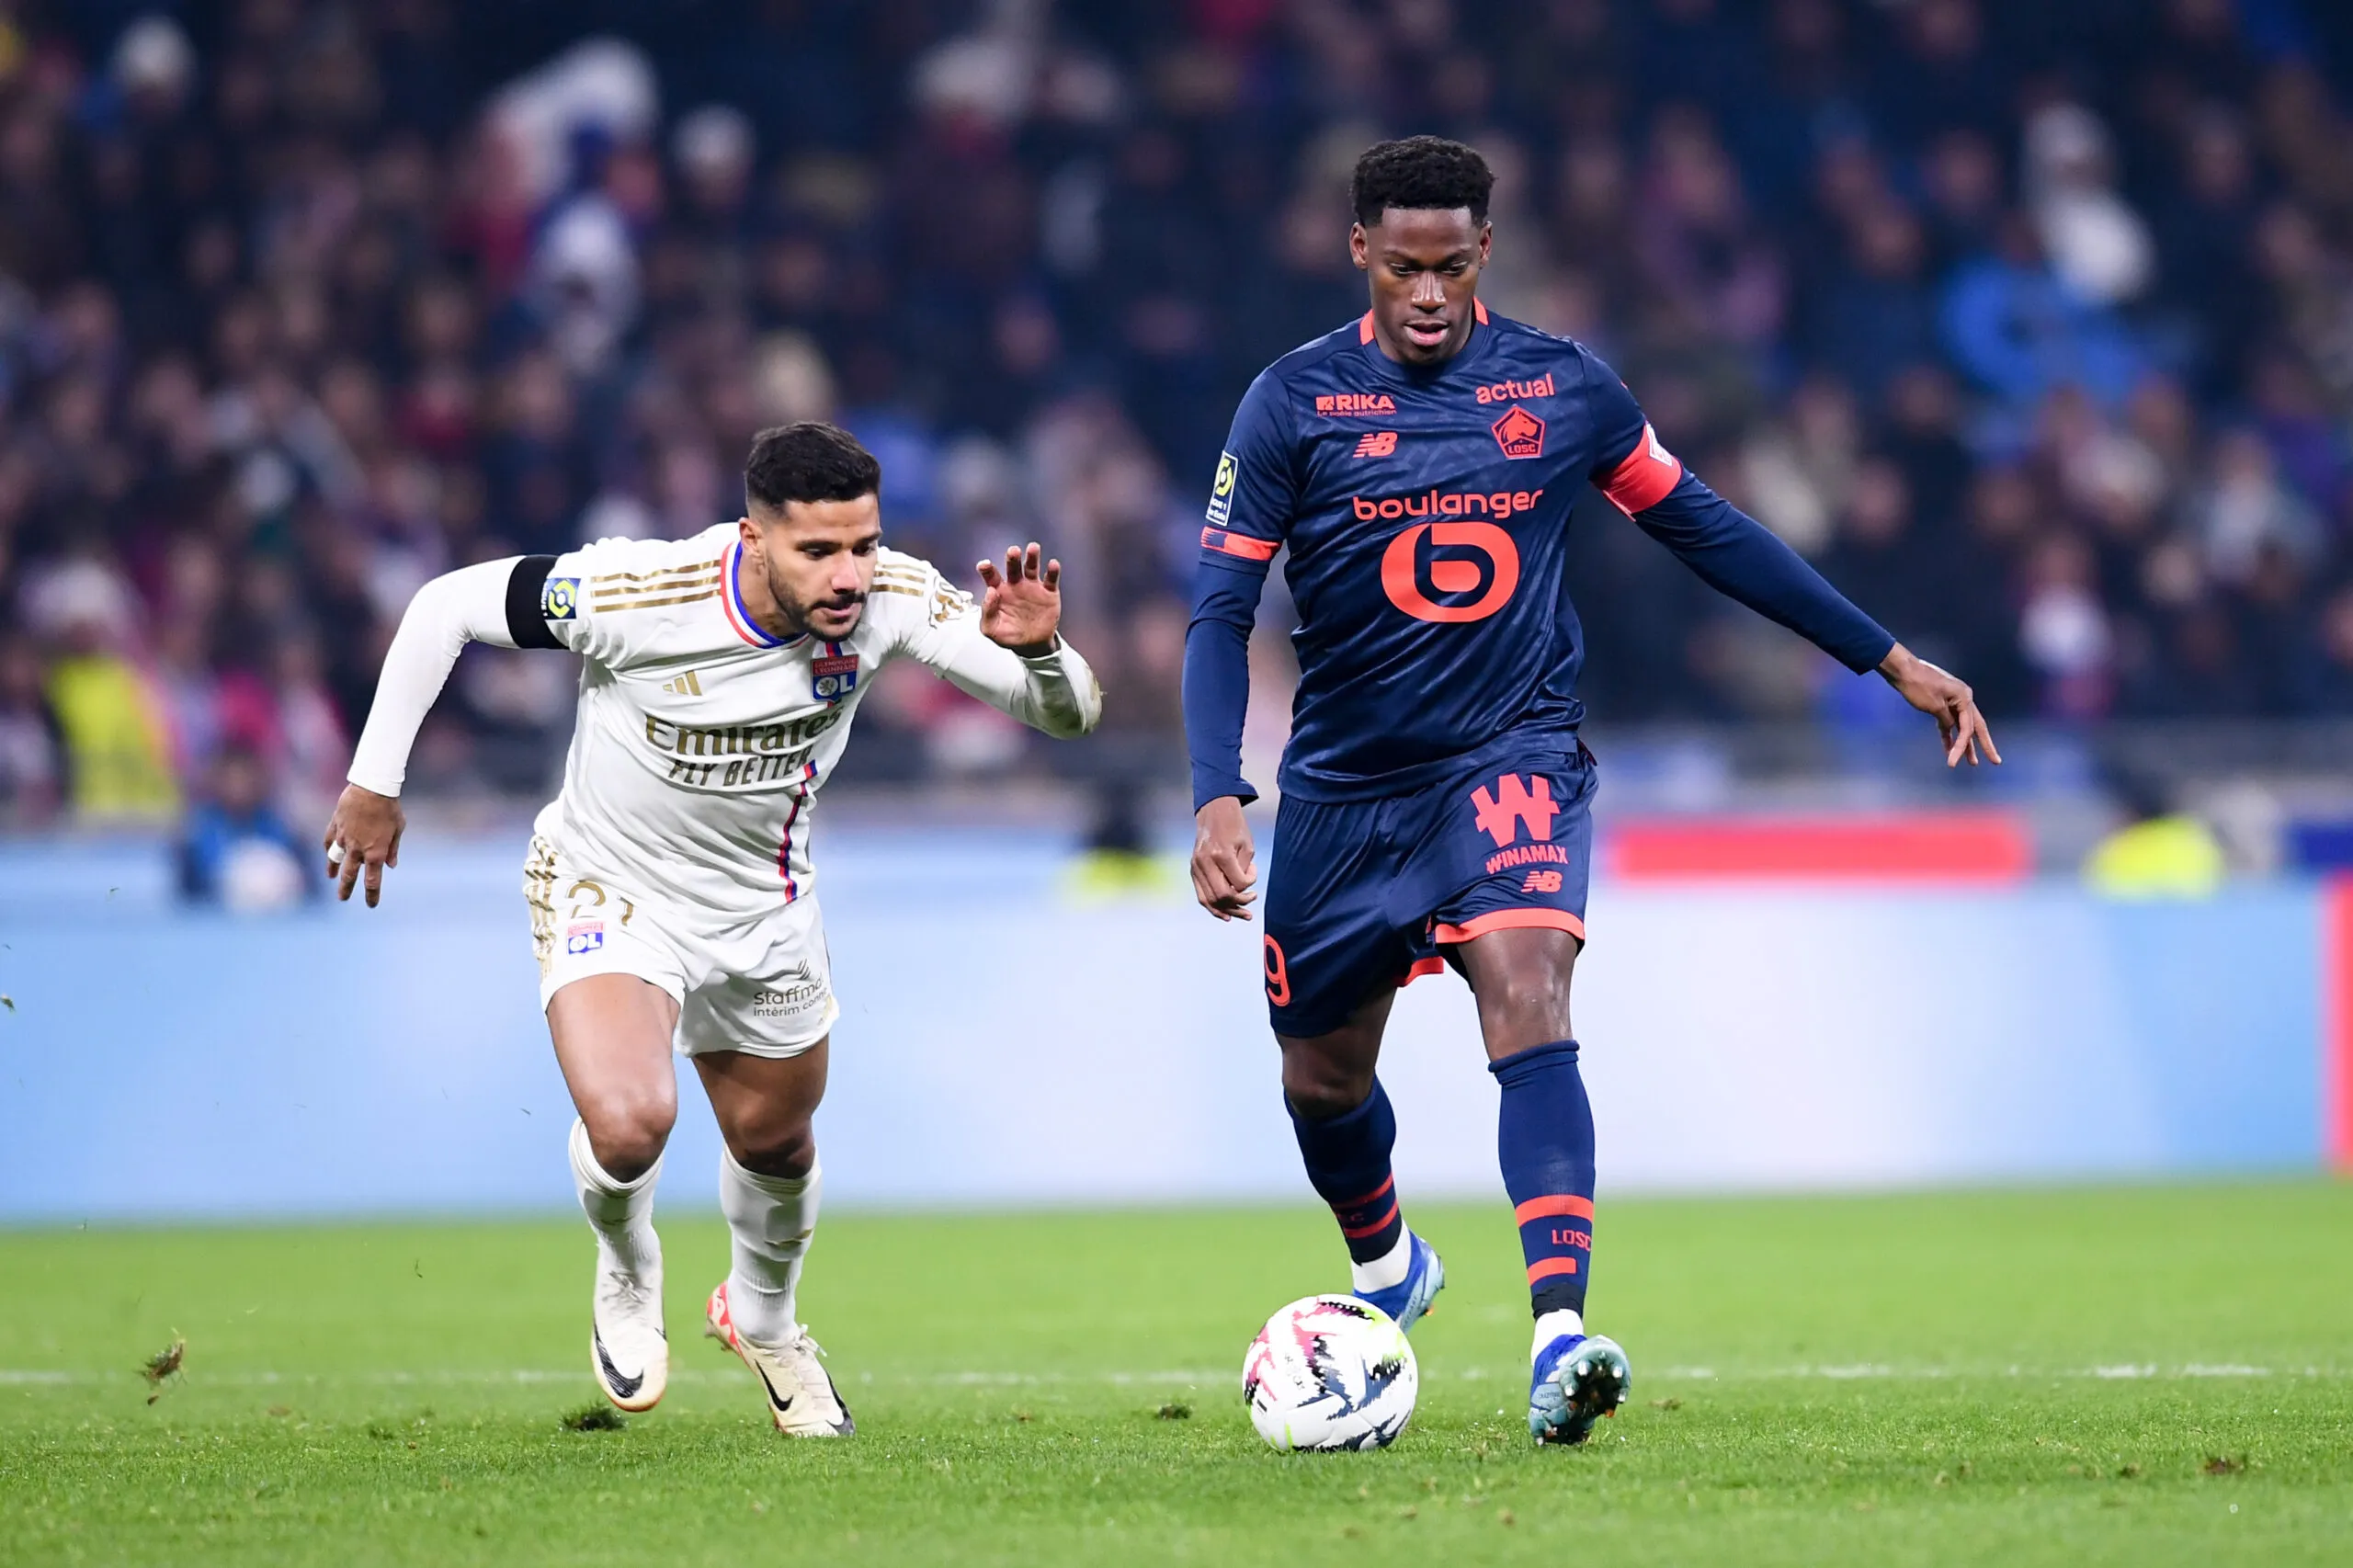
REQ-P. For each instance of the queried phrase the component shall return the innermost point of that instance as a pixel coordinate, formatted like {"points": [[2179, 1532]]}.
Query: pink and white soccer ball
{"points": [[1330, 1372]]}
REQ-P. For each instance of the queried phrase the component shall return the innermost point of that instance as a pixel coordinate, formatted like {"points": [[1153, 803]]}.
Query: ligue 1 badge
{"points": [[833, 678]]}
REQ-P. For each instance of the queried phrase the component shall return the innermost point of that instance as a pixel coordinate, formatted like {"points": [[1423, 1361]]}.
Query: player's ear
{"points": [[1359, 247], [1486, 240]]}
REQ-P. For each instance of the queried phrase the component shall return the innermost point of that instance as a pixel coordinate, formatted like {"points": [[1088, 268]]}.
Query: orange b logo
{"points": [[1400, 571]]}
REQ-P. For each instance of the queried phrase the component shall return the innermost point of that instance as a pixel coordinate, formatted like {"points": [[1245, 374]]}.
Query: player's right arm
{"points": [[1251, 503], [504, 603]]}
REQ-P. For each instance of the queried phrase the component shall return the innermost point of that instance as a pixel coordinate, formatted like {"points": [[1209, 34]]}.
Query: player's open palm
{"points": [[1022, 605], [363, 838]]}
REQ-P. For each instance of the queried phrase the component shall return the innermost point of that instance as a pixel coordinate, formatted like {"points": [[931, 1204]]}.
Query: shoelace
{"points": [[633, 1291], [823, 1387]]}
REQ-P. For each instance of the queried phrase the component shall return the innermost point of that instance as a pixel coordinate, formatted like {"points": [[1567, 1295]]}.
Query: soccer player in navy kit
{"points": [[1419, 464]]}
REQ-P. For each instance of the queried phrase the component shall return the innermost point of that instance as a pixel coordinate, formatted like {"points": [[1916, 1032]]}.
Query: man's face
{"points": [[819, 560], [1424, 264]]}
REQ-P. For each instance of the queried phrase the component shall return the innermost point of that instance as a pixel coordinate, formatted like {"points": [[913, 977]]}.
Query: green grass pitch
{"points": [[2114, 1376]]}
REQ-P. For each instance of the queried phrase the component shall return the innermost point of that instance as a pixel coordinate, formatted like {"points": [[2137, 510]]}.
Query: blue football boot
{"points": [[1410, 1297], [1576, 1381]]}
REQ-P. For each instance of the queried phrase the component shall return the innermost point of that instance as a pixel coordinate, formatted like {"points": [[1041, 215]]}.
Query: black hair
{"points": [[808, 461], [1420, 173]]}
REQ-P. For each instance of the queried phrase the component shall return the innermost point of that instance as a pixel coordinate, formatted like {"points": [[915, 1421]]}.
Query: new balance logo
{"points": [[688, 684], [1501, 813], [1377, 444], [1541, 882]]}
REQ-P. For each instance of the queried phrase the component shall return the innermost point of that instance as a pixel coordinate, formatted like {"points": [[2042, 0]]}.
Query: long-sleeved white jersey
{"points": [[702, 741]]}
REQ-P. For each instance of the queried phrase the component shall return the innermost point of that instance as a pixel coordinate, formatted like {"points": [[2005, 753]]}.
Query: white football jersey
{"points": [[702, 740]]}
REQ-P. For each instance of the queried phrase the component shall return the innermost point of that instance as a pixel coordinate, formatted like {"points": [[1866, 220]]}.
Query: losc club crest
{"points": [[1520, 433]]}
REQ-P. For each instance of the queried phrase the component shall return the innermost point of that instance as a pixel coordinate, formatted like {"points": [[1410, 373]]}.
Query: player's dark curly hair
{"points": [[808, 461], [1420, 171]]}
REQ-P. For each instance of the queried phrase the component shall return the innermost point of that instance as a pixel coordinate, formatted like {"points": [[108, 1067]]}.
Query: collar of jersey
{"points": [[1474, 348], [739, 618]]}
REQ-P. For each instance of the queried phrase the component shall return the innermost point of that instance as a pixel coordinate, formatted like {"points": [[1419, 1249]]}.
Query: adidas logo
{"points": [[688, 684]]}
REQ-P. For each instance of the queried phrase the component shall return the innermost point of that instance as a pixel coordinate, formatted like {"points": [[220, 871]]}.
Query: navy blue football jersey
{"points": [[1426, 515]]}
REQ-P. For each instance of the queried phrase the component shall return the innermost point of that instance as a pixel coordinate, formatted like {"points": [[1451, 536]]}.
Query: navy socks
{"points": [[1348, 1164], [1544, 1137]]}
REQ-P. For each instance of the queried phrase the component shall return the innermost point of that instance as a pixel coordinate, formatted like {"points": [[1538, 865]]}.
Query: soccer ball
{"points": [[1330, 1372]]}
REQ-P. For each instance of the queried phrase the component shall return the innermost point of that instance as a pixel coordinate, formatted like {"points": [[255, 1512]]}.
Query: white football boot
{"points": [[626, 1345], [802, 1400]]}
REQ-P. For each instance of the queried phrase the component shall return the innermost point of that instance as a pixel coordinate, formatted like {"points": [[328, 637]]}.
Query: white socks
{"points": [[1553, 1325], [1389, 1268], [771, 1219], [621, 1213]]}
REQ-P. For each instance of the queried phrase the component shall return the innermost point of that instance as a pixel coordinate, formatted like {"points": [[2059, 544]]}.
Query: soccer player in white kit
{"points": [[673, 901]]}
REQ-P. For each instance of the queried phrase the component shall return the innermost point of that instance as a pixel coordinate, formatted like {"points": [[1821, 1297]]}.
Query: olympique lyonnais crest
{"points": [[1520, 433], [832, 678]]}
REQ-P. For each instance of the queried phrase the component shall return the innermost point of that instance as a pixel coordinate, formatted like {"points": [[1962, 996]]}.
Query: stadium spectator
{"points": [[32, 745], [300, 304], [235, 849]]}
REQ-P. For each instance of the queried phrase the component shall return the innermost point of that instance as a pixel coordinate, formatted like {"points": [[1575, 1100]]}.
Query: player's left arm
{"points": [[1742, 559], [1007, 650]]}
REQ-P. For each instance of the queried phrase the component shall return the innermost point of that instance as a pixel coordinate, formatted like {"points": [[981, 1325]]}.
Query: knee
{"points": [[1320, 1088], [627, 1133], [1525, 1009], [779, 1146]]}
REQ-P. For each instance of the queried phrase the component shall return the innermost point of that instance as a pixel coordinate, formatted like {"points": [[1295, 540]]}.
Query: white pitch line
{"points": [[528, 1376]]}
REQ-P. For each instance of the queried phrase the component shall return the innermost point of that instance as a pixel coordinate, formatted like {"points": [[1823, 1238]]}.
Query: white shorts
{"points": [[764, 988]]}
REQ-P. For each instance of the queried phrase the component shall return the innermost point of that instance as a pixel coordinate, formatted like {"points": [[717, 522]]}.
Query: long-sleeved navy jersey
{"points": [[1427, 512]]}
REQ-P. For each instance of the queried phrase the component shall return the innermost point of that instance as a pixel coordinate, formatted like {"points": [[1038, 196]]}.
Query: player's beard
{"points": [[796, 611]]}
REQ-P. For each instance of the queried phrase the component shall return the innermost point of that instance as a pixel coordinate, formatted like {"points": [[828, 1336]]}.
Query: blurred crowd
{"points": [[2031, 323]]}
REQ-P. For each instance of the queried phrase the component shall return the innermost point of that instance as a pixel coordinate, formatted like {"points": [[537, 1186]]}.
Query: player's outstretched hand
{"points": [[1023, 603], [364, 835], [1945, 698], [1226, 863]]}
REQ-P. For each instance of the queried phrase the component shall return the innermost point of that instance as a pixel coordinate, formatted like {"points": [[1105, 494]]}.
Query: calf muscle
{"points": [[765, 1106]]}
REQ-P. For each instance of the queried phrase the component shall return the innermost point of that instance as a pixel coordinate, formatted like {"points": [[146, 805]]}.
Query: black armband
{"points": [[526, 613]]}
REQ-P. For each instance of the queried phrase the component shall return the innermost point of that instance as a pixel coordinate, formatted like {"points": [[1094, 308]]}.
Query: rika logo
{"points": [[1501, 812], [1403, 566], [1222, 489], [1335, 405], [1376, 443], [1504, 391], [1520, 433]]}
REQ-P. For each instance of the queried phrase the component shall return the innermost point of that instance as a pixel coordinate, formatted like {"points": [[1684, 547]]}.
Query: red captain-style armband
{"points": [[1646, 476]]}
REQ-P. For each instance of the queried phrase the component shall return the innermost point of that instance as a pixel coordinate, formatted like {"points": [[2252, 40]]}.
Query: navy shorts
{"points": [[1366, 894]]}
